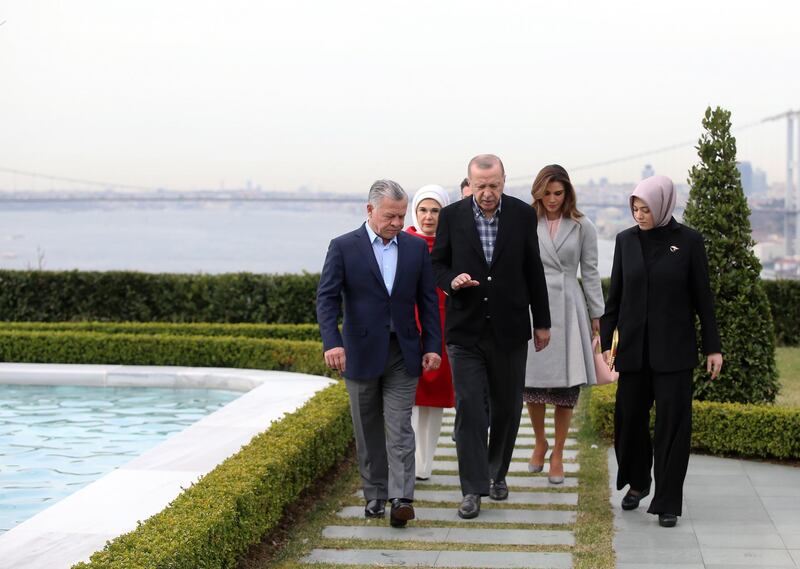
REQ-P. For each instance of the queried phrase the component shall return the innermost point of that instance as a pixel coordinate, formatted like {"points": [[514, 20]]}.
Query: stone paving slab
{"points": [[453, 535], [487, 515], [548, 422], [521, 498], [523, 431], [452, 465], [519, 453], [749, 558], [522, 442], [514, 482], [726, 522], [662, 566], [411, 558]]}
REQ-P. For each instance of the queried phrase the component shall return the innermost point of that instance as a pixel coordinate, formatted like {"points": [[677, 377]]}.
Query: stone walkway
{"points": [[736, 514], [532, 529]]}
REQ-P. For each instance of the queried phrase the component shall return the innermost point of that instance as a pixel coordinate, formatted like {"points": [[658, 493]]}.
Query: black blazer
{"points": [[511, 286], [662, 303], [351, 274]]}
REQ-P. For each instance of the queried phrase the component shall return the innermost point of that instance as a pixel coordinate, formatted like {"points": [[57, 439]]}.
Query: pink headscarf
{"points": [[659, 195]]}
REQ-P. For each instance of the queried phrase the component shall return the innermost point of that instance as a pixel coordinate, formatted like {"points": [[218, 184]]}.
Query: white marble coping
{"points": [[75, 527]]}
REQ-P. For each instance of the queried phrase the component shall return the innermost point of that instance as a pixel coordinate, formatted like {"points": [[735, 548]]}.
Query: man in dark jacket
{"points": [[381, 273], [486, 259]]}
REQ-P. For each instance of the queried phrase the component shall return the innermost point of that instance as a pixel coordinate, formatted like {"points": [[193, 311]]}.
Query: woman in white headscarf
{"points": [[659, 282], [435, 387]]}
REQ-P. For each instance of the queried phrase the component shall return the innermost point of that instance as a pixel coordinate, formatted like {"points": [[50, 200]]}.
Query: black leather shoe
{"points": [[667, 520], [401, 512], [375, 508], [631, 501], [470, 507], [498, 490]]}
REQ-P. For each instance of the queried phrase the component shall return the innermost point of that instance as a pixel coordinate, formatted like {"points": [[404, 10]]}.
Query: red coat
{"points": [[435, 387]]}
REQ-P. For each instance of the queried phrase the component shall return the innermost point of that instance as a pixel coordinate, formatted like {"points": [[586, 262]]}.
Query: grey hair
{"points": [[484, 162], [385, 189]]}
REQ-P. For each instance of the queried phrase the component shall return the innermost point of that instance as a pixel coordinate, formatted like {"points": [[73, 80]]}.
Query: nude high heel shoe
{"points": [[555, 478], [538, 467]]}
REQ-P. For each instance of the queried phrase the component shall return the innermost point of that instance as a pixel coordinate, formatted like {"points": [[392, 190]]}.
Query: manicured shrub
{"points": [[282, 331], [120, 296], [784, 300], [214, 522], [763, 431], [161, 349], [717, 208]]}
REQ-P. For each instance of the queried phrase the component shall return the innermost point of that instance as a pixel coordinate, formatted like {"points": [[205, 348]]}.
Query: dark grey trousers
{"points": [[381, 411], [486, 372]]}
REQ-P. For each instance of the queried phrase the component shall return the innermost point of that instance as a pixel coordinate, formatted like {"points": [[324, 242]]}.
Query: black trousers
{"points": [[672, 394], [486, 372]]}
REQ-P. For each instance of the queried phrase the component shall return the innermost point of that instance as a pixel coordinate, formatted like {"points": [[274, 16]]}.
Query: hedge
{"points": [[118, 296], [53, 296], [762, 431], [282, 331], [150, 349], [214, 522]]}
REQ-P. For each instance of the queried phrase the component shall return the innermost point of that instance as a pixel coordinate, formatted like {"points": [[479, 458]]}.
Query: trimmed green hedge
{"points": [[124, 296], [119, 296], [281, 331], [784, 300], [150, 349], [763, 431], [214, 522]]}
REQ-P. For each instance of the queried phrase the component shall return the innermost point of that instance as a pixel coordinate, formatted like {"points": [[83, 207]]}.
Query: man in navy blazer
{"points": [[381, 273]]}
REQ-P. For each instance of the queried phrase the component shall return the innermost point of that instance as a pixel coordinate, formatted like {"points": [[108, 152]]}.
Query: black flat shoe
{"points": [[498, 490], [470, 507], [667, 520], [401, 512], [631, 501], [375, 508]]}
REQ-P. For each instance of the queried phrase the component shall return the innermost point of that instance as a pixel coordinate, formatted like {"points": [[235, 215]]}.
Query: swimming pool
{"points": [[55, 440]]}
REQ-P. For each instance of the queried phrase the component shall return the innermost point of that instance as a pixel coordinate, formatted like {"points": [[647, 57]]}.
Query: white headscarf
{"points": [[429, 192]]}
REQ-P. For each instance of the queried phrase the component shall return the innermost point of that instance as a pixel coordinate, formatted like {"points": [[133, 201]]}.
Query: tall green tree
{"points": [[717, 208]]}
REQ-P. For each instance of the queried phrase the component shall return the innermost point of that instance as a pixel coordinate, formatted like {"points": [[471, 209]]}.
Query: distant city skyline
{"points": [[331, 96]]}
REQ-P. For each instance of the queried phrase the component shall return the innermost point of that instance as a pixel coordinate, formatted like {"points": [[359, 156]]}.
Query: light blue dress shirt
{"points": [[386, 255]]}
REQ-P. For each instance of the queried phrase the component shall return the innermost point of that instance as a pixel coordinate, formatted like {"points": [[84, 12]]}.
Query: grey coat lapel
{"points": [[567, 226], [545, 243]]}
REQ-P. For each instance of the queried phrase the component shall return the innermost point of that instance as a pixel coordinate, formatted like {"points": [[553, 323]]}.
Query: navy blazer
{"points": [[511, 286], [660, 305], [351, 274]]}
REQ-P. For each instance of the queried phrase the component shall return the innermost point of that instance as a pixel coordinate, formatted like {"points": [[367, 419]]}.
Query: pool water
{"points": [[55, 440]]}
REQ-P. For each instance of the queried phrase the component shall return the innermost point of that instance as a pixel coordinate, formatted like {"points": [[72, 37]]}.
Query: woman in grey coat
{"points": [[567, 240]]}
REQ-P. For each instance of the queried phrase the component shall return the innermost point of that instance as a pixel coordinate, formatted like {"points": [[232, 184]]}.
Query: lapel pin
{"points": [[672, 248]]}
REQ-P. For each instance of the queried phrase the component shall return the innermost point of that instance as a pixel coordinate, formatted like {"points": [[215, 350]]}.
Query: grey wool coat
{"points": [[568, 361]]}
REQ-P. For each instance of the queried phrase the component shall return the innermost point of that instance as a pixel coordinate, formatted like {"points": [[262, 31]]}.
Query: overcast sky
{"points": [[332, 95]]}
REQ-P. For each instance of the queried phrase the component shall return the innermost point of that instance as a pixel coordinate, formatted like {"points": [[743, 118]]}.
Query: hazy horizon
{"points": [[329, 97]]}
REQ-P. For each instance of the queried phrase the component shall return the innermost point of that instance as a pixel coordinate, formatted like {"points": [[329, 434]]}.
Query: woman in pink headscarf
{"points": [[659, 282]]}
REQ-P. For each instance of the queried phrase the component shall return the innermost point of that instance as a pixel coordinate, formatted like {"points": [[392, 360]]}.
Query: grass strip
{"points": [[594, 528]]}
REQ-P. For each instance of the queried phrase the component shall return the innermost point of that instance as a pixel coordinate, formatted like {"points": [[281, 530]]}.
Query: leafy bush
{"points": [[763, 431], [150, 349], [214, 522], [121, 296], [717, 208], [282, 331], [784, 298]]}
